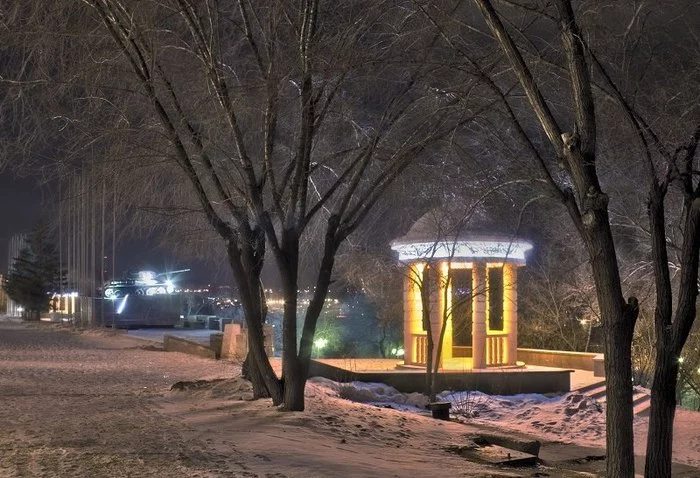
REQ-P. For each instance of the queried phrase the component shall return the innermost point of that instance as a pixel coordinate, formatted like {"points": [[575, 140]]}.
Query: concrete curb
{"points": [[177, 344]]}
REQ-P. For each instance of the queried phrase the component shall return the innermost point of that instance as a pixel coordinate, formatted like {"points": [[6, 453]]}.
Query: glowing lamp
{"points": [[320, 343]]}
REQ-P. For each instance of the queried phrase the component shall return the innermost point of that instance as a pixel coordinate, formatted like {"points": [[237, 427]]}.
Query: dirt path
{"points": [[85, 406], [96, 405], [100, 405]]}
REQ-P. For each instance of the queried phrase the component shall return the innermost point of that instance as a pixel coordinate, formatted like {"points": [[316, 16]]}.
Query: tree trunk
{"points": [[261, 373], [619, 320], [251, 372], [663, 410], [429, 375], [445, 315], [670, 335], [246, 265], [292, 377], [619, 417], [293, 381], [297, 364], [425, 296], [313, 311], [294, 385]]}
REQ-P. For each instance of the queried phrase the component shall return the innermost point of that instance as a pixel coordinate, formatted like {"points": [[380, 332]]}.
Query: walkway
{"points": [[158, 334]]}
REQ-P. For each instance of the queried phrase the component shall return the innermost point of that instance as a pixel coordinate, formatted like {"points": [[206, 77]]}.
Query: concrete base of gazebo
{"points": [[407, 379], [460, 364]]}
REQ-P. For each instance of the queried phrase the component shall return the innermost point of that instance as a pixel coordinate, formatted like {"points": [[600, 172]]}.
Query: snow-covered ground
{"points": [[570, 418], [100, 404]]}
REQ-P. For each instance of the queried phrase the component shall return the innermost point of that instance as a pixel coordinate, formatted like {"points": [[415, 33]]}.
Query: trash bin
{"points": [[441, 410]]}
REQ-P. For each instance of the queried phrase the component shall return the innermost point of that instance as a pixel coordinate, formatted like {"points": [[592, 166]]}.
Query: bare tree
{"points": [[560, 305], [287, 120], [571, 169], [379, 278]]}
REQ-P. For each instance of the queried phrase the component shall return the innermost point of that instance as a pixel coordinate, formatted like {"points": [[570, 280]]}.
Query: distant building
{"points": [[17, 243]]}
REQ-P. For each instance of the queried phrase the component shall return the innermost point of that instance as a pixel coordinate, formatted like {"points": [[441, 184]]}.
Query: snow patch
{"points": [[373, 393], [569, 418]]}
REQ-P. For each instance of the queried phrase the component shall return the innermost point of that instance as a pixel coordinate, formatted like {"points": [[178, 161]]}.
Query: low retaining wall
{"points": [[561, 358], [496, 382], [176, 344], [591, 362]]}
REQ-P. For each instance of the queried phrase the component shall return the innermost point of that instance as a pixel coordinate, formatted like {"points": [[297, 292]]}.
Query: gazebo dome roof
{"points": [[436, 235]]}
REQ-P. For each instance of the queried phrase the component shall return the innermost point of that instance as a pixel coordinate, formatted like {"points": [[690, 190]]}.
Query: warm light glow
{"points": [[419, 266], [493, 249], [482, 256], [415, 306], [445, 268]]}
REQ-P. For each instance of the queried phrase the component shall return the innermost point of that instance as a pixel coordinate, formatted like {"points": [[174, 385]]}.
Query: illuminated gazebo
{"points": [[469, 278]]}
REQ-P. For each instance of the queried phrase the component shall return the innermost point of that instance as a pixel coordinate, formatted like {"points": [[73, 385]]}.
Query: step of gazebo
{"points": [[641, 401], [589, 387]]}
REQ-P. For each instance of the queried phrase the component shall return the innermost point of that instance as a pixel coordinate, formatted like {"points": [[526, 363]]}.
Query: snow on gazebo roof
{"points": [[439, 236]]}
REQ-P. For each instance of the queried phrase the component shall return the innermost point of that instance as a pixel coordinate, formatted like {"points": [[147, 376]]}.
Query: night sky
{"points": [[23, 201]]}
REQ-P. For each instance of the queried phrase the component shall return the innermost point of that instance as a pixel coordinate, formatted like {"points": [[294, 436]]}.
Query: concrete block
{"points": [[498, 455], [177, 344], [234, 345], [215, 342], [599, 365], [235, 342], [531, 447], [268, 334]]}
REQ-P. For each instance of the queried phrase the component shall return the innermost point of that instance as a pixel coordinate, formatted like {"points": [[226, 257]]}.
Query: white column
{"points": [[479, 315], [412, 312], [435, 287], [510, 311], [408, 311], [439, 307]]}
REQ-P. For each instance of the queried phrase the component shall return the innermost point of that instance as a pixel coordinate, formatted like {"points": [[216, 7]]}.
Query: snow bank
{"points": [[372, 393], [569, 418]]}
